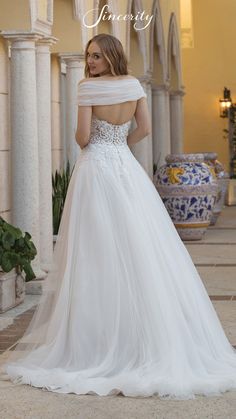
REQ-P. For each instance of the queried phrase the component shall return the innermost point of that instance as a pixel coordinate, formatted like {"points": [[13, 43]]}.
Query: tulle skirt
{"points": [[131, 314]]}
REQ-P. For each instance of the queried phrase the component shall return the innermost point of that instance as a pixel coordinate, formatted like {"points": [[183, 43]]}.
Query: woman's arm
{"points": [[143, 121], [83, 125]]}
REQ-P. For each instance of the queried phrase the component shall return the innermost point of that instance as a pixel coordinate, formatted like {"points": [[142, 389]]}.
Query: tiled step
{"points": [[15, 331], [226, 219], [219, 280], [217, 236], [205, 254]]}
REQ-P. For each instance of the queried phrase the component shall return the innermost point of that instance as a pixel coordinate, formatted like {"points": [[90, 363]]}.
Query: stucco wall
{"points": [[207, 68], [14, 15]]}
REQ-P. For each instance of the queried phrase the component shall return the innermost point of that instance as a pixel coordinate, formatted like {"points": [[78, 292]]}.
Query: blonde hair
{"points": [[113, 52]]}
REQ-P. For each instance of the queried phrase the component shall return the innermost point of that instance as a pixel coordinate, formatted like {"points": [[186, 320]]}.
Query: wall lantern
{"points": [[225, 103]]}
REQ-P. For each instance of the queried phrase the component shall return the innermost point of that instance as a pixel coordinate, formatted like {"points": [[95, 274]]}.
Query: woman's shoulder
{"points": [[126, 77]]}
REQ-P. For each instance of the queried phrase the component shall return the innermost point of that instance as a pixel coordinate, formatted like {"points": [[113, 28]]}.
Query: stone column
{"points": [[63, 112], [160, 124], [43, 71], [74, 73], [24, 138], [176, 120], [143, 149]]}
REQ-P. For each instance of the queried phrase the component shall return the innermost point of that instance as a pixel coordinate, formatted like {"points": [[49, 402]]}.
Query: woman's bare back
{"points": [[116, 114]]}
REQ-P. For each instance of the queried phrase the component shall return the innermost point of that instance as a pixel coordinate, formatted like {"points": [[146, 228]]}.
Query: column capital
{"points": [[43, 45], [47, 41], [69, 57], [71, 60], [14, 35], [177, 92], [161, 88], [146, 78]]}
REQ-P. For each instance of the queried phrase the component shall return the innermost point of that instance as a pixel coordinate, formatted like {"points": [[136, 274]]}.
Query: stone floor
{"points": [[215, 259]]}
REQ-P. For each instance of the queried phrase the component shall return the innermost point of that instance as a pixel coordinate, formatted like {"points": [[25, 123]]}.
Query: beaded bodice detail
{"points": [[105, 133], [108, 146]]}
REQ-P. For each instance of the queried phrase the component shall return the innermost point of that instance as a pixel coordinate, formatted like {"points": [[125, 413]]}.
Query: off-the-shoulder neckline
{"points": [[110, 79]]}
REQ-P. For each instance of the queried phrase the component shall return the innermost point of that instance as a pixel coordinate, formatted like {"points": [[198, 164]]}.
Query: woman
{"points": [[124, 310]]}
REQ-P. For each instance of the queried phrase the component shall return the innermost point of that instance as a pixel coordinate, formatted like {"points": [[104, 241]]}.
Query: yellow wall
{"points": [[168, 7], [207, 68], [14, 15], [65, 28]]}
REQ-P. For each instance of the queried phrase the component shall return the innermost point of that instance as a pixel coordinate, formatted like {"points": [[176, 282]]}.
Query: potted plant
{"points": [[60, 183], [16, 253]]}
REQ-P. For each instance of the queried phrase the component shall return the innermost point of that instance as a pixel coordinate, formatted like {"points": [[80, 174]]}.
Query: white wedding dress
{"points": [[124, 309]]}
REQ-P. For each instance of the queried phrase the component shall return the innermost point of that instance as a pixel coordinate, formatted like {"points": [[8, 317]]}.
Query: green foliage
{"points": [[60, 183], [16, 251]]}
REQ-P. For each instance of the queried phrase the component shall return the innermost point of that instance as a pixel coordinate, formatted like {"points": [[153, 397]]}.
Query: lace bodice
{"points": [[103, 132], [108, 142], [108, 145]]}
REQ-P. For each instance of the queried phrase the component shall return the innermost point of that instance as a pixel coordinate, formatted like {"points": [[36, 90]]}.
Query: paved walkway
{"points": [[215, 259]]}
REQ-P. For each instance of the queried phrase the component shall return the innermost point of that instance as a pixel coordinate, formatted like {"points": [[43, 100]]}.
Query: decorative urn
{"points": [[188, 188]]}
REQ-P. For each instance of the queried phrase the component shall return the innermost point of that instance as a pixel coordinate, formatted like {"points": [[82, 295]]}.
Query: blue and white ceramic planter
{"points": [[188, 188]]}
